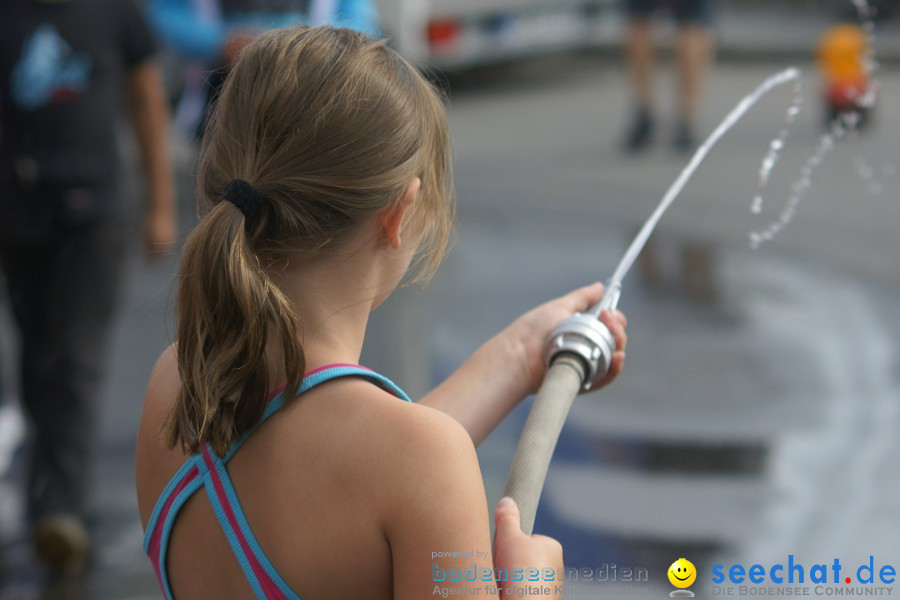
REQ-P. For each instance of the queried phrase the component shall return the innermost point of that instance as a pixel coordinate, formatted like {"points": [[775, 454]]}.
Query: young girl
{"points": [[292, 471]]}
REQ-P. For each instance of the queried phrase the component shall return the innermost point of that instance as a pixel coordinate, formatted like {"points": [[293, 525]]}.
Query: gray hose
{"points": [[538, 441]]}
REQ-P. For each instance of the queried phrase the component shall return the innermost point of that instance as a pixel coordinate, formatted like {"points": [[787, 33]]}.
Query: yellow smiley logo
{"points": [[682, 573]]}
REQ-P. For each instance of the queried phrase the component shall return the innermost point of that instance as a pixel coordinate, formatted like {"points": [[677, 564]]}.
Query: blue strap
{"points": [[182, 497], [164, 497], [309, 382], [238, 511]]}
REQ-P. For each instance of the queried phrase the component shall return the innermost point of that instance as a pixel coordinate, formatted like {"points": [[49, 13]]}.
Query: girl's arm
{"points": [[436, 519], [510, 365], [150, 114]]}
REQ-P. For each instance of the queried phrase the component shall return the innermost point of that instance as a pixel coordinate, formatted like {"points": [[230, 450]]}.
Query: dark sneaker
{"points": [[61, 542], [640, 135], [684, 138]]}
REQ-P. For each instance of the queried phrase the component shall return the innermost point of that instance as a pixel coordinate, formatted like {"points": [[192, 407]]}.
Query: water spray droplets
{"points": [[640, 239], [846, 125], [757, 205], [765, 170], [773, 155], [866, 15], [872, 178], [801, 186], [864, 169], [864, 11]]}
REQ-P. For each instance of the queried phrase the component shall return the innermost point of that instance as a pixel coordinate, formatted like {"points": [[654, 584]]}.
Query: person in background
{"points": [[68, 68], [211, 33], [693, 54]]}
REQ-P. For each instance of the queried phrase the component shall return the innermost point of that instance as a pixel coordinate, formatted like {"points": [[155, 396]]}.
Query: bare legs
{"points": [[640, 60], [693, 51], [640, 64]]}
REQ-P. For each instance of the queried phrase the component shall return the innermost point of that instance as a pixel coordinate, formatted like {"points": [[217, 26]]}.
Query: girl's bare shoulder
{"points": [[154, 463], [416, 472], [381, 444], [360, 415], [163, 383], [391, 448]]}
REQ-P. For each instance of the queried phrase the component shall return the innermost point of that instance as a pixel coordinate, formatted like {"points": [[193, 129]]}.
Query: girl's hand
{"points": [[515, 550], [160, 231], [526, 337], [510, 366]]}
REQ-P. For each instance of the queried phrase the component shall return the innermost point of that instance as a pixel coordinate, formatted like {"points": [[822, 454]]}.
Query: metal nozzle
{"points": [[609, 301], [586, 337]]}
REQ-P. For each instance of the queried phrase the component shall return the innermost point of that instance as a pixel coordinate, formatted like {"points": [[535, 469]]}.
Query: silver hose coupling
{"points": [[586, 337]]}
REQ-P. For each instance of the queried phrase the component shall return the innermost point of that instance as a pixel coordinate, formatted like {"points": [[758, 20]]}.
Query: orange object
{"points": [[842, 51]]}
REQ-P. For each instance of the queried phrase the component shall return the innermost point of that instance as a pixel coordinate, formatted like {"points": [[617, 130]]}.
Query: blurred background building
{"points": [[465, 33]]}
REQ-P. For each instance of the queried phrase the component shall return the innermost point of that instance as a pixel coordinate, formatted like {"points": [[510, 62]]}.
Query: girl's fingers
{"points": [[551, 544], [584, 297], [615, 368], [506, 518], [618, 363], [616, 326]]}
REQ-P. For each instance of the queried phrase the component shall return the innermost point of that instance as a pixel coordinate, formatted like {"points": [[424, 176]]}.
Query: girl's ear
{"points": [[392, 219]]}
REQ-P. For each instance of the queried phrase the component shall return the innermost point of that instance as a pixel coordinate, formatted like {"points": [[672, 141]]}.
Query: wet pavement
{"points": [[758, 415]]}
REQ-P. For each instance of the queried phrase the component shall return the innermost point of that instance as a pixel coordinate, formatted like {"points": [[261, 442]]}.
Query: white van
{"points": [[450, 34]]}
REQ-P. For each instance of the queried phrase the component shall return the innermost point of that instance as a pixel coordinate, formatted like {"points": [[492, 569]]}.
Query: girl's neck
{"points": [[332, 318], [333, 296]]}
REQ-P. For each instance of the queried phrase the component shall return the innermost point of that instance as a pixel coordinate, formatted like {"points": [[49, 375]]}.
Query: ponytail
{"points": [[329, 127], [230, 317]]}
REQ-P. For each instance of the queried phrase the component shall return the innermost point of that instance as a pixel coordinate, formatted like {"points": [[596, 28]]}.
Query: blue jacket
{"points": [[199, 28]]}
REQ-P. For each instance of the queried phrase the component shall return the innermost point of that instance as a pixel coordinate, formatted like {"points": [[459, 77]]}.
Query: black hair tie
{"points": [[244, 196]]}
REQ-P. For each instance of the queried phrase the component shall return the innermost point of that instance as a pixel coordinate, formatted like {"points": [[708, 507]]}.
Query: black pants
{"points": [[63, 285]]}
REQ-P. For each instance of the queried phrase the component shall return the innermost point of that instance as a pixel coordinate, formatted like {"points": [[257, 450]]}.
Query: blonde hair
{"points": [[330, 127]]}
